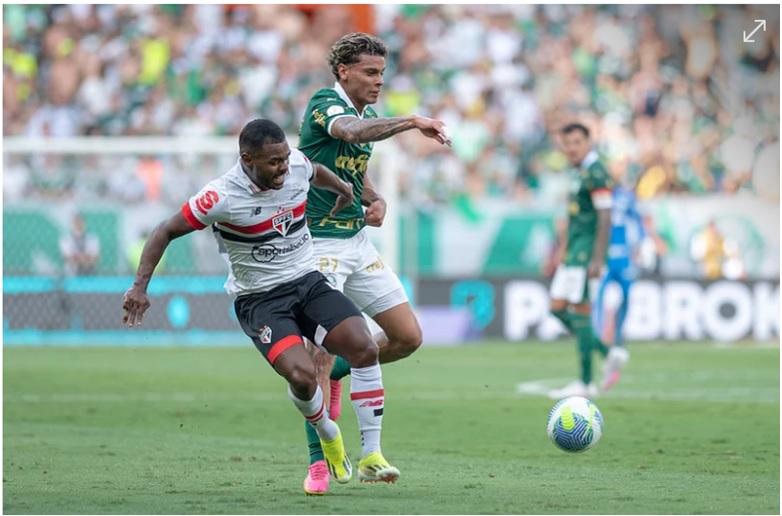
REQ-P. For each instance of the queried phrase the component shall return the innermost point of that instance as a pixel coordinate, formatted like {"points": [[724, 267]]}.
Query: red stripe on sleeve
{"points": [[366, 394], [190, 218], [282, 345]]}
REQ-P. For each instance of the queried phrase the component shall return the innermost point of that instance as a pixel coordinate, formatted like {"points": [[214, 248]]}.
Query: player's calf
{"points": [[399, 347], [401, 335]]}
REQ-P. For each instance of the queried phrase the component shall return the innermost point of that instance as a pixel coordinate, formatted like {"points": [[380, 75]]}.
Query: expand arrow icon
{"points": [[761, 23]]}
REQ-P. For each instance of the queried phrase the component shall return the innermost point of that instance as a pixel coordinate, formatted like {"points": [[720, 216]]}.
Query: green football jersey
{"points": [[348, 160], [587, 182]]}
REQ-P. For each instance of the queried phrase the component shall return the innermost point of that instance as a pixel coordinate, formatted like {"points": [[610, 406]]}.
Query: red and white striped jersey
{"points": [[263, 233]]}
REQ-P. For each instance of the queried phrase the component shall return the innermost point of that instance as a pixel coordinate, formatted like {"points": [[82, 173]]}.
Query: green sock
{"points": [[564, 316], [582, 327], [313, 442], [341, 369]]}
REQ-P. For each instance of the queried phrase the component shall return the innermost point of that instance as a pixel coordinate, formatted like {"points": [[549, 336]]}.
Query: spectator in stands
{"points": [[708, 251], [669, 89], [80, 250]]}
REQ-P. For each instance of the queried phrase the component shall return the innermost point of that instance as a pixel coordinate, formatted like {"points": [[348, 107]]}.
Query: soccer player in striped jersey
{"points": [[256, 210]]}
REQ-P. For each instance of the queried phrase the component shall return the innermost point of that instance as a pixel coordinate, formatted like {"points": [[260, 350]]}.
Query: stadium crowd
{"points": [[677, 102]]}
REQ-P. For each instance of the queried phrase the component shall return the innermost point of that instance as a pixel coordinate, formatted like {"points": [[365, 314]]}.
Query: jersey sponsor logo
{"points": [[348, 225], [282, 222], [319, 118], [376, 265], [268, 252], [265, 334], [335, 110], [354, 165], [207, 201]]}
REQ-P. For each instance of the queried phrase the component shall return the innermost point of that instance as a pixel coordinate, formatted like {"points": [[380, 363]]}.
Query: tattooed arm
{"points": [[358, 130]]}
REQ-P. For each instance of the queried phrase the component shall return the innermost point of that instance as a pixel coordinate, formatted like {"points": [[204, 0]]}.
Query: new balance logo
{"points": [[375, 403]]}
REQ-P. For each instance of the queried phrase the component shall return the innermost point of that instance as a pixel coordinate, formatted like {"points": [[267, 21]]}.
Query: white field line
{"points": [[723, 394]]}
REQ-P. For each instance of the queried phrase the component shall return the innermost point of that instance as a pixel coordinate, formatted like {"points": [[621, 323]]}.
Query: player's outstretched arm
{"points": [[136, 301], [328, 180], [363, 130]]}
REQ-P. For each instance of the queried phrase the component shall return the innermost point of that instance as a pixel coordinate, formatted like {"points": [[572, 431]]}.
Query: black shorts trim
{"points": [[307, 306]]}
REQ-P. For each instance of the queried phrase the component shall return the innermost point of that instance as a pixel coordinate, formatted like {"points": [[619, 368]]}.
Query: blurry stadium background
{"points": [[113, 115]]}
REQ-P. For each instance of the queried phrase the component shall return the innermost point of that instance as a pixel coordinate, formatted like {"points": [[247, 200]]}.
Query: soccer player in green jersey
{"points": [[589, 224], [338, 130]]}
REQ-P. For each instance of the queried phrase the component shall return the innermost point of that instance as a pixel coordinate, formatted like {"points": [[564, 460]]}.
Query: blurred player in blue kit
{"points": [[627, 232]]}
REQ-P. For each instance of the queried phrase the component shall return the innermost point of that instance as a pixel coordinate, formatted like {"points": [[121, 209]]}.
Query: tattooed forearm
{"points": [[356, 130]]}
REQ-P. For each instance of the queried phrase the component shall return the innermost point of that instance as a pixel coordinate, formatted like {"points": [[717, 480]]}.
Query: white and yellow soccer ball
{"points": [[575, 424]]}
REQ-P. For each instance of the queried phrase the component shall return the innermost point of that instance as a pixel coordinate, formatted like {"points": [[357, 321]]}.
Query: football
{"points": [[575, 424]]}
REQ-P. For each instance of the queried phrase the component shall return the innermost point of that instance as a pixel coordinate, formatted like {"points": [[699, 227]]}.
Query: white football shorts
{"points": [[570, 283], [354, 266]]}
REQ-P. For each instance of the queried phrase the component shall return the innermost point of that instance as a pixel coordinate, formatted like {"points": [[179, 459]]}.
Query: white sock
{"points": [[367, 397], [316, 413]]}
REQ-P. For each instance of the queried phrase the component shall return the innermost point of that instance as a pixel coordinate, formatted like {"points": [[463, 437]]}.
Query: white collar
{"points": [[344, 96], [589, 159]]}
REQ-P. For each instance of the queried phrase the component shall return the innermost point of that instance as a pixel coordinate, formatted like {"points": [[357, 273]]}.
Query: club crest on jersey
{"points": [[265, 334], [282, 222]]}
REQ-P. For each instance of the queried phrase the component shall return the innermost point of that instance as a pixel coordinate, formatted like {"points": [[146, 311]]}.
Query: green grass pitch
{"points": [[691, 428]]}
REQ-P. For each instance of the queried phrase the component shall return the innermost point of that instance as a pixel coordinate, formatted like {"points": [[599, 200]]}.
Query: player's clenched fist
{"points": [[375, 213], [135, 303]]}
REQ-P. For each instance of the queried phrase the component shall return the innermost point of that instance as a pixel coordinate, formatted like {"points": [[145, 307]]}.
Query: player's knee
{"points": [[364, 353], [301, 378], [408, 342]]}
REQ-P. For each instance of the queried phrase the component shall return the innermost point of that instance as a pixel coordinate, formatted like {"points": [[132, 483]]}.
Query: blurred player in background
{"points": [[338, 129], [80, 249], [627, 232], [257, 214], [589, 224]]}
